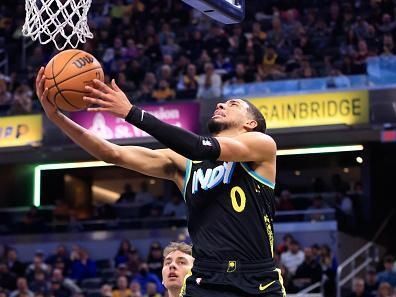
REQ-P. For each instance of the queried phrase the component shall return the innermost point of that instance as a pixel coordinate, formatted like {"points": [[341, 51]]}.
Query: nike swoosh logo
{"points": [[263, 287]]}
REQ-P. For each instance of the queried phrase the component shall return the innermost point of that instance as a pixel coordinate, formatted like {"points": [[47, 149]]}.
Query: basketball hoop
{"points": [[62, 21]]}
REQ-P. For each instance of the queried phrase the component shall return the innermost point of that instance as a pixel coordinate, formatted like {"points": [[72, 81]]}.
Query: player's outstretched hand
{"points": [[42, 93], [110, 99]]}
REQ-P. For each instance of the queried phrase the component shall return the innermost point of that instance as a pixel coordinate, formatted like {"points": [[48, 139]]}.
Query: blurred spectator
{"points": [[122, 288], [136, 289], [308, 273], [69, 284], [345, 214], [61, 211], [187, 86], [163, 92], [358, 288], [122, 270], [122, 253], [329, 265], [5, 95], [284, 246], [60, 259], [151, 290], [22, 288], [155, 259], [241, 75], [285, 202], [37, 265], [176, 207], [271, 66], [14, 265], [292, 258], [106, 290], [371, 283], [384, 290], [388, 275], [317, 204], [143, 196], [82, 266], [7, 278], [128, 196], [58, 290], [22, 102], [39, 283], [134, 261], [209, 84], [144, 277]]}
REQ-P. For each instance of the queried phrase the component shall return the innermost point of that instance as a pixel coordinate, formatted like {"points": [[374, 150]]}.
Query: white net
{"points": [[62, 21]]}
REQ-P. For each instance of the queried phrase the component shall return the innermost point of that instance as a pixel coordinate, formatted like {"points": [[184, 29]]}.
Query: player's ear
{"points": [[250, 125]]}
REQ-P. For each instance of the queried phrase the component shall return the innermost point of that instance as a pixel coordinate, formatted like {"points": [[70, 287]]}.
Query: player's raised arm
{"points": [[242, 146], [158, 163]]}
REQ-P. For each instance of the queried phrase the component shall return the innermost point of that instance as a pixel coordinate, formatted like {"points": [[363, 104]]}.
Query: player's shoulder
{"points": [[261, 138]]}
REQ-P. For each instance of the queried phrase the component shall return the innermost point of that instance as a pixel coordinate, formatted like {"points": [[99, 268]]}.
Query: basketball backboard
{"points": [[224, 11]]}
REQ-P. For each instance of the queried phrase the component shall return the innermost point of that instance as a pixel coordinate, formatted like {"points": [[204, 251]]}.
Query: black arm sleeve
{"points": [[183, 142]]}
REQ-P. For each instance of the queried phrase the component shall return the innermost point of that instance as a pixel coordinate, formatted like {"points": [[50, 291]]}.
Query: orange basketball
{"points": [[67, 74]]}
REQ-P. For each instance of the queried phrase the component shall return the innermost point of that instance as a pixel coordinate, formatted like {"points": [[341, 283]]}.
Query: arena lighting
{"points": [[56, 166], [284, 152], [321, 150]]}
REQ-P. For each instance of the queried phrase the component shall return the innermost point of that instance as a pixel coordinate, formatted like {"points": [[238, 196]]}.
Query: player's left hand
{"points": [[109, 99]]}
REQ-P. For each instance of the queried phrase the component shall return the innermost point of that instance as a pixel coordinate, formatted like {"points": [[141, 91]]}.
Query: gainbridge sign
{"points": [[20, 130], [345, 108]]}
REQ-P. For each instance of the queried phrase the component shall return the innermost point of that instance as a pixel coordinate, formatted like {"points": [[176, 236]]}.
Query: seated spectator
{"points": [[122, 289], [60, 258], [384, 290], [317, 204], [128, 196], [14, 265], [5, 95], [21, 288], [135, 289], [388, 275], [7, 278], [371, 283], [22, 101], [329, 265], [209, 84], [241, 75], [124, 83], [61, 211], [163, 92], [39, 283], [106, 290], [176, 207], [271, 67], [293, 258], [188, 83], [308, 273], [284, 202], [134, 261], [155, 259], [143, 196], [37, 265], [122, 270], [82, 266], [284, 246], [358, 288], [122, 253], [151, 290], [69, 284], [32, 220], [58, 290], [144, 277]]}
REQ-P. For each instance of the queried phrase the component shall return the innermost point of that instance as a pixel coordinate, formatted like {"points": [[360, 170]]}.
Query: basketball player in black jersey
{"points": [[227, 181]]}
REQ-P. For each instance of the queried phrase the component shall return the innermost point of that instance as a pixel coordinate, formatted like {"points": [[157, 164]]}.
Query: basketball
{"points": [[67, 74]]}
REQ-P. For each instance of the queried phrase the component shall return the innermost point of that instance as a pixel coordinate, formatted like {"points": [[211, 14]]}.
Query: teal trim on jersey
{"points": [[186, 177], [257, 177]]}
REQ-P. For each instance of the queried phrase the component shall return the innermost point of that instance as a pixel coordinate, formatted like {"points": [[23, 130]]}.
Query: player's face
{"points": [[230, 114], [176, 265]]}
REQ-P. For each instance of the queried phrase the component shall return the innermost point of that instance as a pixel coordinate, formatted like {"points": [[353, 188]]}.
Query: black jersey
{"points": [[230, 211]]}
